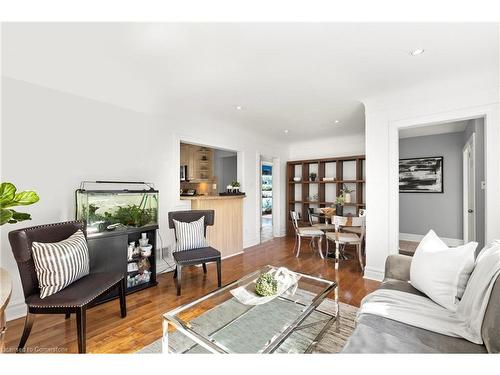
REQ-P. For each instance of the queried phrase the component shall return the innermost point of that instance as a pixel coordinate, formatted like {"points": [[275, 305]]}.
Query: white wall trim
{"points": [[452, 242], [373, 274], [491, 162]]}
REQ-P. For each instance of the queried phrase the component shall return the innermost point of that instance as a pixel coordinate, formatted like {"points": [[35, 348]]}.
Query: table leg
{"points": [[164, 341]]}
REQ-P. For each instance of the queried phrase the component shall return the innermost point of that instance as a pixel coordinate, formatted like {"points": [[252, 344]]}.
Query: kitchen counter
{"points": [[226, 235], [211, 197]]}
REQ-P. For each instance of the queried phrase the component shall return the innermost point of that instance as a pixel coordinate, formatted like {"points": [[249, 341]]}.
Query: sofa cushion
{"points": [[490, 330], [402, 286], [375, 334], [442, 272]]}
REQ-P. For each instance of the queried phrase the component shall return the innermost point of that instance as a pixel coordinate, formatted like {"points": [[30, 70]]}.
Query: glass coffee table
{"points": [[293, 322]]}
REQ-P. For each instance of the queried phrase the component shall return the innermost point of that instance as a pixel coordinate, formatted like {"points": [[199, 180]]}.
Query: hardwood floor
{"points": [[107, 333]]}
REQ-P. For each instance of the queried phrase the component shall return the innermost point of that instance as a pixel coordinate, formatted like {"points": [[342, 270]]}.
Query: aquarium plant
{"points": [[9, 197], [266, 285]]}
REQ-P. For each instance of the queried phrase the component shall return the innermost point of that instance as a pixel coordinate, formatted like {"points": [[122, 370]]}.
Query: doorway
{"points": [[441, 180], [469, 190], [266, 194]]}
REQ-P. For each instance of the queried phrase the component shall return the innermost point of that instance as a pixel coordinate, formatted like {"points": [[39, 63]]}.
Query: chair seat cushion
{"points": [[310, 231], [196, 256], [344, 237], [79, 293]]}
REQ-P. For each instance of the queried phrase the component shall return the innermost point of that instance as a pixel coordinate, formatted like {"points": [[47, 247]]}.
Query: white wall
{"points": [[440, 102], [328, 147], [53, 140]]}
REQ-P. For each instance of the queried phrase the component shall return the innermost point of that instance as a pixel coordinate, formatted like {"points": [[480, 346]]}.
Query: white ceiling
{"points": [[295, 76]]}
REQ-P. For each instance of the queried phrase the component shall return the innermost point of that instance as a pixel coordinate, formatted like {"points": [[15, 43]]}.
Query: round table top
{"points": [[5, 288], [323, 226]]}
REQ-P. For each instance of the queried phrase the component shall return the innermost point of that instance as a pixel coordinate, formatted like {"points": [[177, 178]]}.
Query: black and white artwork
{"points": [[421, 175]]}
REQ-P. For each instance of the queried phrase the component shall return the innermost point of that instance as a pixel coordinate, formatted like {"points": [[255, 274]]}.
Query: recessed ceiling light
{"points": [[336, 121], [417, 51], [286, 131], [239, 107]]}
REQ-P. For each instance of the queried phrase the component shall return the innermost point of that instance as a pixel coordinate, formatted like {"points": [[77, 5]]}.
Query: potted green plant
{"points": [[9, 197], [339, 205], [312, 176], [346, 192], [236, 186]]}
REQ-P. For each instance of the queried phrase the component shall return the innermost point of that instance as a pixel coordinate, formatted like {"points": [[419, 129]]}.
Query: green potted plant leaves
{"points": [[312, 176], [9, 197], [339, 205]]}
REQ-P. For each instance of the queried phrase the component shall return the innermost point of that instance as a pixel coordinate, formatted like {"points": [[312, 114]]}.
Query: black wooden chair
{"points": [[191, 257], [76, 297]]}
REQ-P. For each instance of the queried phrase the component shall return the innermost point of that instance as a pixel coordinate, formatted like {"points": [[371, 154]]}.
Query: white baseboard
{"points": [[452, 242], [232, 255], [373, 274], [251, 242]]}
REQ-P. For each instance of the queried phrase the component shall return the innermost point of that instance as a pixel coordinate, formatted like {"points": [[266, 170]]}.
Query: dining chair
{"points": [[197, 256], [306, 232], [343, 238]]}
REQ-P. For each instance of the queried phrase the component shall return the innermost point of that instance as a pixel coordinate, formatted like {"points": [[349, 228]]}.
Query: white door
{"points": [[469, 193]]}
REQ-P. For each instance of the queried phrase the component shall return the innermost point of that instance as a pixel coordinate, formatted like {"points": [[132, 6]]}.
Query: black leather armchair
{"points": [[194, 256], [76, 297]]}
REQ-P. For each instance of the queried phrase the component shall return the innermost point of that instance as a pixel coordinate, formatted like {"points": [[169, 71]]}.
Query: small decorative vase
{"points": [[347, 197], [339, 210]]}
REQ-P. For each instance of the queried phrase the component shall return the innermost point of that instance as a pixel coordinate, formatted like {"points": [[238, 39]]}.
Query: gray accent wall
{"points": [[225, 168], [420, 212]]}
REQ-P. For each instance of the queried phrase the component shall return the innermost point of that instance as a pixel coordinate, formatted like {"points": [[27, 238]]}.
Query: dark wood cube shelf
{"points": [[299, 192]]}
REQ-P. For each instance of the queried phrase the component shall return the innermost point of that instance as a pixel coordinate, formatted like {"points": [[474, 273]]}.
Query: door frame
{"points": [[469, 147], [271, 164], [491, 164], [277, 214]]}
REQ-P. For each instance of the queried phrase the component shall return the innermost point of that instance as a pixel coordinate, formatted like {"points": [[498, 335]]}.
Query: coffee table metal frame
{"points": [[171, 318]]}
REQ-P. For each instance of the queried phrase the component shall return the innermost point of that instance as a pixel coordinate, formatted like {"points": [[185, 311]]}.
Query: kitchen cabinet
{"points": [[199, 161]]}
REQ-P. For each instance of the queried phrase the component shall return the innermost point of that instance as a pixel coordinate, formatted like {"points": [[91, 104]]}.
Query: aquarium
{"points": [[111, 210]]}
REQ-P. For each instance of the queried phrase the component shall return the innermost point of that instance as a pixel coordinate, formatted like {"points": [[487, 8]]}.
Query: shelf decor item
{"points": [[312, 176], [339, 205], [346, 192], [9, 197], [235, 186], [297, 179]]}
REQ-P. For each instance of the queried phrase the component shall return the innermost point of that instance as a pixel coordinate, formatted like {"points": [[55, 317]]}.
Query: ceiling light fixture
{"points": [[286, 131], [416, 52], [239, 107], [336, 121]]}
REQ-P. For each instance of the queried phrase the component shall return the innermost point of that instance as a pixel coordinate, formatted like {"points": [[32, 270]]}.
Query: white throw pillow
{"points": [[190, 235], [441, 272], [58, 264]]}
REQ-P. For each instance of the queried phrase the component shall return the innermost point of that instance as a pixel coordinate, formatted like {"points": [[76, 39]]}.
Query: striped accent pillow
{"points": [[59, 264], [190, 235]]}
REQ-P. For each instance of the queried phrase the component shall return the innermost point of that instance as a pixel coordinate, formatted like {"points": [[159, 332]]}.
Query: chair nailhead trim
{"points": [[83, 304]]}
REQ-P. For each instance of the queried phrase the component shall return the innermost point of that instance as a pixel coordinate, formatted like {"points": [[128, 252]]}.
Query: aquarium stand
{"points": [[108, 253]]}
